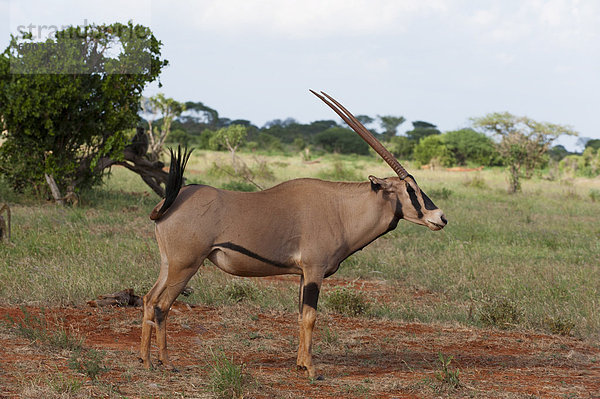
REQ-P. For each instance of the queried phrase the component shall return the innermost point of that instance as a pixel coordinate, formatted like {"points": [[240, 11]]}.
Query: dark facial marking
{"points": [[375, 187], [429, 205], [247, 252], [310, 297], [414, 200]]}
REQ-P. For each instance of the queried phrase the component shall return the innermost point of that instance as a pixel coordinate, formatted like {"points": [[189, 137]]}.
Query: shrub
{"points": [[238, 291], [180, 136], [467, 145], [339, 172], [347, 301], [500, 312], [442, 193], [401, 146], [558, 325], [341, 140], [269, 142], [476, 182], [235, 185], [433, 148], [594, 195]]}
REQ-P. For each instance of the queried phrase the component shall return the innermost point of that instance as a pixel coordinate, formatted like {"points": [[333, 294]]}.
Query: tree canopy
{"points": [[523, 142], [68, 102]]}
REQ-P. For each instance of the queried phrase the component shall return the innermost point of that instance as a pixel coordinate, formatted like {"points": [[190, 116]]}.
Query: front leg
{"points": [[308, 315]]}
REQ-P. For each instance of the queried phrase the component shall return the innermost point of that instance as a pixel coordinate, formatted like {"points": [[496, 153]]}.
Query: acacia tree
{"points": [[167, 109], [231, 137], [522, 142], [68, 103], [390, 124]]}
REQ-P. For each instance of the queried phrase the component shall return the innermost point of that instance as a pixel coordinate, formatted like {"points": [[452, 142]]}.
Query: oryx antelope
{"points": [[305, 227]]}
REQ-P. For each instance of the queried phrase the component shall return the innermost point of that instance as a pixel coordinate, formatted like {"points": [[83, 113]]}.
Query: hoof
{"points": [[147, 366], [301, 368], [320, 378], [168, 366]]}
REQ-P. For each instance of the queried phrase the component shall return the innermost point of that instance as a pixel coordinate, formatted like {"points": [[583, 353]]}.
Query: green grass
{"points": [[41, 331], [227, 379], [539, 250]]}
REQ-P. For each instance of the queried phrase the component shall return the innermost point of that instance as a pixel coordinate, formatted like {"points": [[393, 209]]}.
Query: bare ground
{"points": [[358, 357]]}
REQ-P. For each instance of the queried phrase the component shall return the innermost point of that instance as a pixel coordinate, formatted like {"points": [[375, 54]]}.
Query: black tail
{"points": [[174, 181]]}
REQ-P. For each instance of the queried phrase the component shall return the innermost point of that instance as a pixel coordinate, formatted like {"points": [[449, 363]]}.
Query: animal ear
{"points": [[377, 183]]}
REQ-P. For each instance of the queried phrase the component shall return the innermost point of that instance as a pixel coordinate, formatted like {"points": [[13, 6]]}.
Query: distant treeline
{"points": [[424, 143]]}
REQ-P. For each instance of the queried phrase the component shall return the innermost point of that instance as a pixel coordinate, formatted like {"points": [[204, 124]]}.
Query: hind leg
{"points": [[148, 320], [176, 281]]}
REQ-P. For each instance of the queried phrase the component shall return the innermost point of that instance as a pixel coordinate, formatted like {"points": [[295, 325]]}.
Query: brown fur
{"points": [[305, 227]]}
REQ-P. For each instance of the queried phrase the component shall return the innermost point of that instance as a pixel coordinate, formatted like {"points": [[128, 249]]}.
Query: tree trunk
{"points": [[58, 198], [151, 172]]}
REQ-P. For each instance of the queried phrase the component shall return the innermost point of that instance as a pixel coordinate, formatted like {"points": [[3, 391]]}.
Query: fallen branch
{"points": [[125, 298]]}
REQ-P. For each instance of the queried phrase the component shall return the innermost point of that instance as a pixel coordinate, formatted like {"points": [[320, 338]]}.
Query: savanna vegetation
{"points": [[522, 259], [533, 250]]}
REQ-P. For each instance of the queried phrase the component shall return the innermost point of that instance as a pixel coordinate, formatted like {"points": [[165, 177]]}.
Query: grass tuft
{"points": [[476, 182], [500, 312], [339, 172], [227, 379], [347, 301], [238, 291], [89, 362], [558, 325], [441, 193]]}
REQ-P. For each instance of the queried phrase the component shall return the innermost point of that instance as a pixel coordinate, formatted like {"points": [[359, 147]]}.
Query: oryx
{"points": [[305, 227]]}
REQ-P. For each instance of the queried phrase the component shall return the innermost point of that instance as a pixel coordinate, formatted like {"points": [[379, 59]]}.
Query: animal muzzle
{"points": [[436, 220]]}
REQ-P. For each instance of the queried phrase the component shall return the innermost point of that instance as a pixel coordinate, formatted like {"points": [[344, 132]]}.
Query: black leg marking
{"points": [[311, 295], [300, 294], [159, 315]]}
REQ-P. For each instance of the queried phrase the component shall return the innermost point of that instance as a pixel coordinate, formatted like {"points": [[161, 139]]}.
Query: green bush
{"points": [[268, 142], [179, 136], [342, 141], [586, 164], [442, 193], [238, 291], [467, 145], [347, 301], [402, 147], [500, 312], [339, 172], [433, 148], [235, 185]]}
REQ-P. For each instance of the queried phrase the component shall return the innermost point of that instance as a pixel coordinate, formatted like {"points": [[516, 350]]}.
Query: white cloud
{"points": [[553, 22], [44, 19], [309, 18]]}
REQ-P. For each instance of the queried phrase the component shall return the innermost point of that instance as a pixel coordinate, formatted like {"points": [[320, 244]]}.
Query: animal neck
{"points": [[368, 215]]}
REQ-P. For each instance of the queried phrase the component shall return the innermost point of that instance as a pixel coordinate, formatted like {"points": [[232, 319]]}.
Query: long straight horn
{"points": [[363, 132]]}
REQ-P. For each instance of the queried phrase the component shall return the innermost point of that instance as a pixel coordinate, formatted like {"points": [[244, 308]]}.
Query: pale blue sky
{"points": [[442, 61]]}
